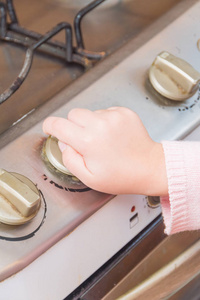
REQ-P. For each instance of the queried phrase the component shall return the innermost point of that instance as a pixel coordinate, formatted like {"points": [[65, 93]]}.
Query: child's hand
{"points": [[110, 151]]}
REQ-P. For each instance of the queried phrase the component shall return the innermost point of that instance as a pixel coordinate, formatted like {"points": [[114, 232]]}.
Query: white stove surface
{"points": [[86, 229]]}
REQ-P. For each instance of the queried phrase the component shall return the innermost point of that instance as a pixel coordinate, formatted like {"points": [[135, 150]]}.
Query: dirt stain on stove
{"points": [[67, 189], [163, 102], [195, 102]]}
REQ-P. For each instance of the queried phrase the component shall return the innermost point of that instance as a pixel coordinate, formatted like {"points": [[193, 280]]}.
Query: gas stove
{"points": [[76, 229]]}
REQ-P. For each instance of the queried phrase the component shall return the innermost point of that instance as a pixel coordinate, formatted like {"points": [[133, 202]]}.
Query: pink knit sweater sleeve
{"points": [[181, 208]]}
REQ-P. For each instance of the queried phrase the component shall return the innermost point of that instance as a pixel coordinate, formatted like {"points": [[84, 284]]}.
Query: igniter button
{"points": [[19, 198], [173, 77]]}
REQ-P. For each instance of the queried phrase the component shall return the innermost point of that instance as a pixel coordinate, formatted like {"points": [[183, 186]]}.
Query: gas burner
{"points": [[14, 33]]}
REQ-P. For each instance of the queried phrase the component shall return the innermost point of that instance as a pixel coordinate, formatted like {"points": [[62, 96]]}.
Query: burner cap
{"points": [[173, 77]]}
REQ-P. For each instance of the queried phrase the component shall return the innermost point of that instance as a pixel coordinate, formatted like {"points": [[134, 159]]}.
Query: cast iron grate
{"points": [[14, 33]]}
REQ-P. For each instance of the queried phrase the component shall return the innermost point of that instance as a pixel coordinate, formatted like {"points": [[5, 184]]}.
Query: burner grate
{"points": [[14, 33]]}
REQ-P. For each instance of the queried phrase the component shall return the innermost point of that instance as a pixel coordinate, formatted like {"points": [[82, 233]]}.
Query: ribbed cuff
{"points": [[174, 206], [181, 209]]}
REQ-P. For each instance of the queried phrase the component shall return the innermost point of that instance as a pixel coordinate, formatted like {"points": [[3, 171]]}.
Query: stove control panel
{"points": [[173, 77], [19, 198]]}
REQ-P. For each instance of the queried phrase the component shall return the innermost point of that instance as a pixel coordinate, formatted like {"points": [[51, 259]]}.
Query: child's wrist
{"points": [[157, 182]]}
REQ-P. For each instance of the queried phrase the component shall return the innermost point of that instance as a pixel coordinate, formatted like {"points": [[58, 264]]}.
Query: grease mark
{"points": [[65, 188], [56, 185], [185, 108], [78, 190]]}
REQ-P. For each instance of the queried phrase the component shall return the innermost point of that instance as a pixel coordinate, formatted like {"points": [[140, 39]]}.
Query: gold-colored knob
{"points": [[54, 155], [153, 201], [19, 198], [173, 77]]}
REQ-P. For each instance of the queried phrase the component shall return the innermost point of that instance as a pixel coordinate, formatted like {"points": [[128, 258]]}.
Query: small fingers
{"points": [[81, 117], [62, 146], [85, 117], [102, 111], [75, 163], [114, 107], [64, 130]]}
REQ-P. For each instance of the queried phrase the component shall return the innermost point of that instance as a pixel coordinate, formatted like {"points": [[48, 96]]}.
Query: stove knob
{"points": [[19, 198], [153, 201], [54, 155], [173, 77]]}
